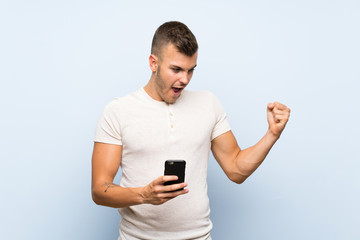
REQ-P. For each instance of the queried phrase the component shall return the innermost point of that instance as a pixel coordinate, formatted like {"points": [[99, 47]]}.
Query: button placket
{"points": [[171, 117]]}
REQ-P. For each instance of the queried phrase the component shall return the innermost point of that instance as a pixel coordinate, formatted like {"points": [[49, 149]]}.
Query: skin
{"points": [[170, 71], [173, 70]]}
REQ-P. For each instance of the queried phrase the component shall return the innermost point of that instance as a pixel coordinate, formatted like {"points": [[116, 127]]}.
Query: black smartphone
{"points": [[175, 167]]}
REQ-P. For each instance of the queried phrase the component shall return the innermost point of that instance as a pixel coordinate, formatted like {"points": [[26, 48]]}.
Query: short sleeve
{"points": [[108, 127], [221, 123]]}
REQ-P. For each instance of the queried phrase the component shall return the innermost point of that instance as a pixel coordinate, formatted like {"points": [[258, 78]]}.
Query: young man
{"points": [[162, 121]]}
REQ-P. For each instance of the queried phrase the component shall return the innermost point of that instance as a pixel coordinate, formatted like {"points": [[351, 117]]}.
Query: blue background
{"points": [[61, 62]]}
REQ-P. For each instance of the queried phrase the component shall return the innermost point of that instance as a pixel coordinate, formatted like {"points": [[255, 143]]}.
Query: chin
{"points": [[170, 100]]}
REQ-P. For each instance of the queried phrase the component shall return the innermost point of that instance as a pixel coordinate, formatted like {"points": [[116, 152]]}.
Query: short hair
{"points": [[176, 33]]}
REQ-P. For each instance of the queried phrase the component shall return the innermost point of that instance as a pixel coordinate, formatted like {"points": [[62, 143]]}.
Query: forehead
{"points": [[171, 55]]}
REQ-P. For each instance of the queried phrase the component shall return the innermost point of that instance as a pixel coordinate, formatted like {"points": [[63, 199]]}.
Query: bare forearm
{"points": [[112, 195], [239, 164], [249, 159]]}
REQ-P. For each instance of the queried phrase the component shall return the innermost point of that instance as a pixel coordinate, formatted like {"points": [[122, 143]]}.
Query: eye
{"points": [[176, 70]]}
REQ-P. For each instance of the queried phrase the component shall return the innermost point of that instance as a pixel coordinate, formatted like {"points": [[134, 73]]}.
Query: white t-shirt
{"points": [[152, 132]]}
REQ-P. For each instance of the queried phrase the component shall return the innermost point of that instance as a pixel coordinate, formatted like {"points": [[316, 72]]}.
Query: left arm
{"points": [[240, 164]]}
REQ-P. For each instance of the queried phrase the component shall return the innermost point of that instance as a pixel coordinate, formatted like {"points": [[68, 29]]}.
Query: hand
{"points": [[156, 193], [277, 115]]}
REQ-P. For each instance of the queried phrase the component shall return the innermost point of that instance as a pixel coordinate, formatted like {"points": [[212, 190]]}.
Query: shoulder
{"points": [[124, 102], [120, 107]]}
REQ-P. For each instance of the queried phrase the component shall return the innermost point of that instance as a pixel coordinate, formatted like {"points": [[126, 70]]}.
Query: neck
{"points": [[150, 89]]}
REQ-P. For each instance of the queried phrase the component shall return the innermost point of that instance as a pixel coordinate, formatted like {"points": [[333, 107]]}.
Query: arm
{"points": [[240, 164], [105, 164]]}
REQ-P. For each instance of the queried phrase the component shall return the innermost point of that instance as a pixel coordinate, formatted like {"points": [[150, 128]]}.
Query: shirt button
{"points": [[171, 114], [172, 126]]}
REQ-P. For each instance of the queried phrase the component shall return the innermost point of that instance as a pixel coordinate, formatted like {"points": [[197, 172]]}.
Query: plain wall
{"points": [[61, 62]]}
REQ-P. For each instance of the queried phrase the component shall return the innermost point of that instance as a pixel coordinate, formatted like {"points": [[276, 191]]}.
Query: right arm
{"points": [[105, 164]]}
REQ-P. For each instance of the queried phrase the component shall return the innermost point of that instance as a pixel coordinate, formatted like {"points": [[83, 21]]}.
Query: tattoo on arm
{"points": [[109, 185]]}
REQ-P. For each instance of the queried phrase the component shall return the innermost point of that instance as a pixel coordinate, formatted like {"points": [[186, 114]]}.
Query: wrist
{"points": [[272, 136], [140, 195]]}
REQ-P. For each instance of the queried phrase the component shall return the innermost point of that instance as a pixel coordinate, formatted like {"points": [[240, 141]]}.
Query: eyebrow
{"points": [[174, 66], [193, 67]]}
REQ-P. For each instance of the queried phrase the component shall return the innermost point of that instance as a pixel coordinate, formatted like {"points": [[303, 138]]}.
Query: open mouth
{"points": [[177, 90]]}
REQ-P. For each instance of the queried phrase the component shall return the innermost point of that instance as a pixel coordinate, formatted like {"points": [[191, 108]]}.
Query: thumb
{"points": [[270, 107], [270, 115]]}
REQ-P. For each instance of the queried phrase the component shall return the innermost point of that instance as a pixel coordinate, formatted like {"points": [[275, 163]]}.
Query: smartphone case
{"points": [[175, 167]]}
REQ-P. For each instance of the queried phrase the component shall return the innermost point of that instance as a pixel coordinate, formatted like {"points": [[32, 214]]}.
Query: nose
{"points": [[185, 78]]}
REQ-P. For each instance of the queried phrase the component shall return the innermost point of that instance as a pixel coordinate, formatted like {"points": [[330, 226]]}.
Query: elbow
{"points": [[238, 181], [95, 200], [237, 178], [95, 197]]}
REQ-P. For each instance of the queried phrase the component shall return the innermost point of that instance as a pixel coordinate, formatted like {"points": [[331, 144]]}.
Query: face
{"points": [[173, 73]]}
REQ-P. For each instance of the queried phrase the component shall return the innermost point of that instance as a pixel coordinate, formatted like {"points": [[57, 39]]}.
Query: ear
{"points": [[153, 62]]}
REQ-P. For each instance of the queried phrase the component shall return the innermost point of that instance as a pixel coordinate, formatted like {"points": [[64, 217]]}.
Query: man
{"points": [[162, 121]]}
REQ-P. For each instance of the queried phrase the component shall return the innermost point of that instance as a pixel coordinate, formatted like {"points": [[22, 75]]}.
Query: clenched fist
{"points": [[277, 116]]}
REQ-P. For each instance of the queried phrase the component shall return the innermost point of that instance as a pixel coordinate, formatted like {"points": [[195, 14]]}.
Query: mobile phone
{"points": [[175, 167]]}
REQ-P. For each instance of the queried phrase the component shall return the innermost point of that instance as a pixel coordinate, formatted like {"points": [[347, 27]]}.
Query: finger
{"points": [[277, 112], [280, 112], [174, 187], [169, 188], [162, 179], [280, 106], [170, 195]]}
